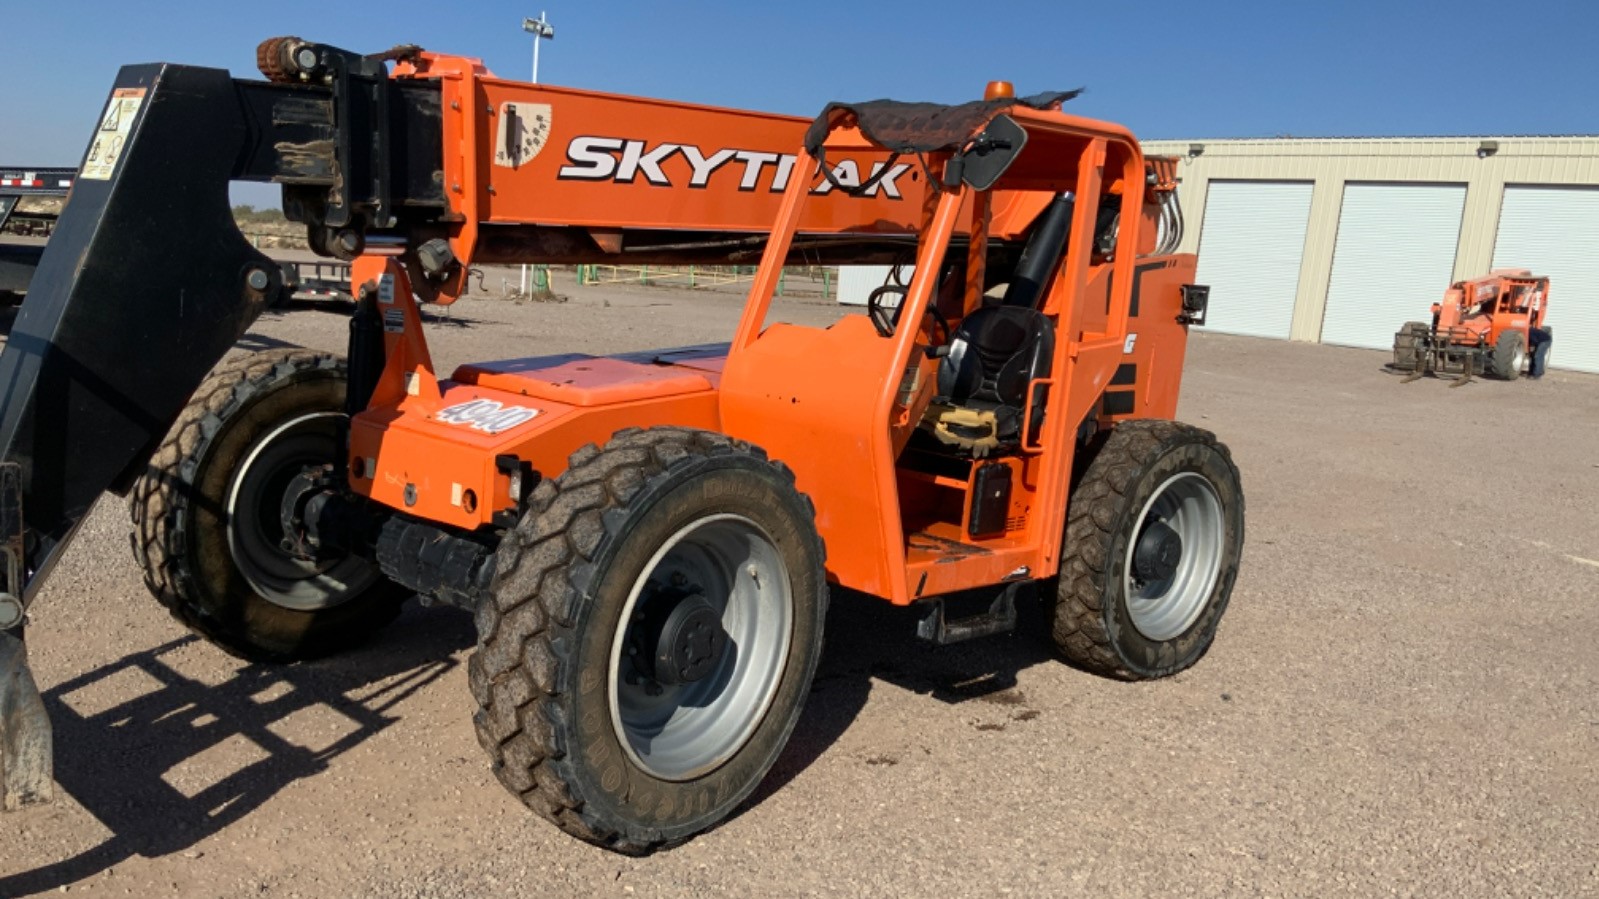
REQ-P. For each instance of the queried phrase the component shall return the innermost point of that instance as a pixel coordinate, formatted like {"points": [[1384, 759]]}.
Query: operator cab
{"points": [[1000, 352]]}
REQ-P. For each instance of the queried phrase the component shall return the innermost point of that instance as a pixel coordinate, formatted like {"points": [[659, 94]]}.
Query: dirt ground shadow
{"points": [[180, 718]]}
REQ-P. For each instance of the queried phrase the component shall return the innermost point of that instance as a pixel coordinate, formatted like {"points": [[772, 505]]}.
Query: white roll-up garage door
{"points": [[1554, 231], [1394, 258], [1250, 246], [856, 282]]}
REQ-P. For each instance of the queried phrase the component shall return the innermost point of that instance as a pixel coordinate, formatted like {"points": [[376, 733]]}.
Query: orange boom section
{"points": [[556, 174], [559, 174]]}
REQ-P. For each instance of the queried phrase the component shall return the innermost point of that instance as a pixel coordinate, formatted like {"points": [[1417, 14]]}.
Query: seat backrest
{"points": [[994, 354], [1041, 254], [997, 350]]}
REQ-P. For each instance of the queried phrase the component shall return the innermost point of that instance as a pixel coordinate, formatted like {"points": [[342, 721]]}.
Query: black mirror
{"points": [[992, 152]]}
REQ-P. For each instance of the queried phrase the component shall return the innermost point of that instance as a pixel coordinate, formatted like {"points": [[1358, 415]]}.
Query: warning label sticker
{"points": [[111, 138], [393, 320]]}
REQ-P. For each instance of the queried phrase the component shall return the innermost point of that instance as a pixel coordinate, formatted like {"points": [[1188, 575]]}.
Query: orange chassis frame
{"points": [[836, 404]]}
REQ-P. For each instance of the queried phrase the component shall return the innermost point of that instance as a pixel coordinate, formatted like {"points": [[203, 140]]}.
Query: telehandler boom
{"points": [[648, 540]]}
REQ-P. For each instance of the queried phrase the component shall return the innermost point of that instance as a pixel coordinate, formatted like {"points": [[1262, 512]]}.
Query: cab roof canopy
{"points": [[1007, 143]]}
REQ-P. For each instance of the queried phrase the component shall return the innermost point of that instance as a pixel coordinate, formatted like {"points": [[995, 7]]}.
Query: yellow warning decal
{"points": [[111, 138]]}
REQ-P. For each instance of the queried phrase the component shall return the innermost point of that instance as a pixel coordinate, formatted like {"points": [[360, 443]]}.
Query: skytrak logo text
{"points": [[625, 161]]}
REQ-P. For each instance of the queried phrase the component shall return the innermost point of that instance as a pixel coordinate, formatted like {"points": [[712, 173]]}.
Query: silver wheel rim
{"points": [[254, 532], [1519, 361], [683, 731], [1164, 608]]}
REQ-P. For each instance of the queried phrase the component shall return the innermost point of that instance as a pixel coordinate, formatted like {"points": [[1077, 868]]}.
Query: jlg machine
{"points": [[1483, 326], [648, 541]]}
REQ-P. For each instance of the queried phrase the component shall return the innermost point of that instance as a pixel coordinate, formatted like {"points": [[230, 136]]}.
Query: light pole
{"points": [[541, 30]]}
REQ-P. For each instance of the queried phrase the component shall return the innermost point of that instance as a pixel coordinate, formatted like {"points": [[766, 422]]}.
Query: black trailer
{"points": [[19, 184]]}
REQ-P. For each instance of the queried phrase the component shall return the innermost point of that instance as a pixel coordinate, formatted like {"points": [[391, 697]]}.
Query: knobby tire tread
{"points": [[525, 638], [160, 529], [1078, 627]]}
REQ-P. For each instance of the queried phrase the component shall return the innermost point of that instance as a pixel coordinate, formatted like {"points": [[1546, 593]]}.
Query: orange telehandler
{"points": [[647, 540], [1483, 325]]}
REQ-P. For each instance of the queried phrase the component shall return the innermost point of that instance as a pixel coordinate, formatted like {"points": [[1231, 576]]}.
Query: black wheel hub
{"points": [[1159, 551], [321, 520], [293, 511], [691, 642], [683, 639]]}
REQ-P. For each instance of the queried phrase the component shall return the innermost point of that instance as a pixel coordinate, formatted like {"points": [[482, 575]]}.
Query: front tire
{"points": [[206, 520], [1510, 356], [656, 620], [1154, 534]]}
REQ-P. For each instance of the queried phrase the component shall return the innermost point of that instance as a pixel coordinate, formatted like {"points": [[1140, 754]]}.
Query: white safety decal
{"points": [[488, 416], [386, 289], [394, 321], [1128, 346], [112, 136]]}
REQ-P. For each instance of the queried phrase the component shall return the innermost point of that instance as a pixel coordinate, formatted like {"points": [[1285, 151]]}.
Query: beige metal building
{"points": [[1344, 240]]}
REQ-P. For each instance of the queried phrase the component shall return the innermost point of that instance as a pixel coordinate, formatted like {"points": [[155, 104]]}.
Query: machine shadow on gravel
{"points": [[178, 719], [868, 639]]}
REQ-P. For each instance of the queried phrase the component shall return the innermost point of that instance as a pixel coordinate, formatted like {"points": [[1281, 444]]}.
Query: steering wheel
{"points": [[886, 318]]}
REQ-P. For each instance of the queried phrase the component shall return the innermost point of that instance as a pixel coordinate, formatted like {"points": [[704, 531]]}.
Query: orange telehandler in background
{"points": [[1482, 326], [647, 540]]}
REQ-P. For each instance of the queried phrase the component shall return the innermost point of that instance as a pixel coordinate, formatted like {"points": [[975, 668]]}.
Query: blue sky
{"points": [[1193, 69]]}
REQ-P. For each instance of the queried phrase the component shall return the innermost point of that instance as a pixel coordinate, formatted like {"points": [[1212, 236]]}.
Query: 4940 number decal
{"points": [[488, 416]]}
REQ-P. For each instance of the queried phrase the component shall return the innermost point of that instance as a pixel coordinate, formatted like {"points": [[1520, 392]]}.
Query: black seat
{"points": [[995, 354], [999, 350]]}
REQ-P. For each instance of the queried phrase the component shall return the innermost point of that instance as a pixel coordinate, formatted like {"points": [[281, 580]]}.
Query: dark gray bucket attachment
{"points": [[146, 283]]}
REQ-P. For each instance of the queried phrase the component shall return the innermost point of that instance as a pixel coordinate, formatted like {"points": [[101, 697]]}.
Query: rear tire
{"points": [[1510, 356], [205, 515], [616, 751], [1154, 534]]}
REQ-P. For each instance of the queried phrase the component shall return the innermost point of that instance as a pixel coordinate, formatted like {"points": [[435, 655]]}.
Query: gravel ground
{"points": [[1402, 697]]}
